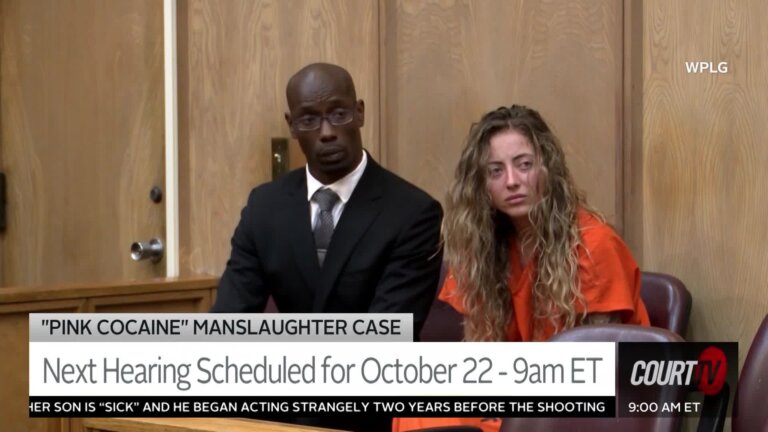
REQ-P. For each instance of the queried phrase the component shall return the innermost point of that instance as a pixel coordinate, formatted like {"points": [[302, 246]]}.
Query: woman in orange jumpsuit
{"points": [[527, 256]]}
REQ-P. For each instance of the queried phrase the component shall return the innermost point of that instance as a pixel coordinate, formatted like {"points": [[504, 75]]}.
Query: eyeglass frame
{"points": [[322, 118]]}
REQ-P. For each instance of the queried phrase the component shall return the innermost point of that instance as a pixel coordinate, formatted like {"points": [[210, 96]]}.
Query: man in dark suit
{"points": [[342, 234]]}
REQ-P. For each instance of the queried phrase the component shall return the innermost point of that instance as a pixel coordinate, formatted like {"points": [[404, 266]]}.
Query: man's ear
{"points": [[360, 112], [290, 125]]}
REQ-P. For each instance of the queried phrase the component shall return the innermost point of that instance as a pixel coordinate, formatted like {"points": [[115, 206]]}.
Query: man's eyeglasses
{"points": [[310, 122]]}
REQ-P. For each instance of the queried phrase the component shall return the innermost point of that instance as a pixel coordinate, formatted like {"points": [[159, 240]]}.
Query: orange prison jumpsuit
{"points": [[610, 282]]}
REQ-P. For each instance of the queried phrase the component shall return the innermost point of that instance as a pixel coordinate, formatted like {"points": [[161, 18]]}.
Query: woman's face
{"points": [[511, 175]]}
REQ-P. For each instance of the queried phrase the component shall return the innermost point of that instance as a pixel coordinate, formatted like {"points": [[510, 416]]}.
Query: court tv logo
{"points": [[675, 378], [705, 374]]}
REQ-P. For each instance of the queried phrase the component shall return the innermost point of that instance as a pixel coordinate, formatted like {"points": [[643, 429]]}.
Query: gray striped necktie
{"points": [[325, 199]]}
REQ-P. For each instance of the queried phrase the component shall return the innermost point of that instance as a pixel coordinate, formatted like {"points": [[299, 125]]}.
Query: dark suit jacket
{"points": [[384, 254]]}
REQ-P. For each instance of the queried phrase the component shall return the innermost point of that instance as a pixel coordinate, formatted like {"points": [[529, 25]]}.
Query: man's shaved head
{"points": [[325, 116], [311, 75]]}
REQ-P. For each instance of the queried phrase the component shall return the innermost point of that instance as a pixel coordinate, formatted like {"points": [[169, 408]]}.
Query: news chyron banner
{"points": [[252, 365]]}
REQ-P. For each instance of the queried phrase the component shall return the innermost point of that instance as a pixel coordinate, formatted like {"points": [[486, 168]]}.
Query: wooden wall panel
{"points": [[235, 58], [168, 302], [704, 160], [14, 338], [16, 303], [447, 62], [632, 129], [82, 137]]}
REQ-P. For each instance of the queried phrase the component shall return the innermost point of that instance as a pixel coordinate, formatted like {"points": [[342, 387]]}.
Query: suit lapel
{"points": [[359, 213], [299, 230]]}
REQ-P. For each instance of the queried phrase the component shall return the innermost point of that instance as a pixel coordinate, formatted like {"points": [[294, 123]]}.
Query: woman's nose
{"points": [[513, 178]]}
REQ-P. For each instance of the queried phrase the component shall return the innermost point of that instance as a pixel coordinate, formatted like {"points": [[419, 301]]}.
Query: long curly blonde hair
{"points": [[476, 236]]}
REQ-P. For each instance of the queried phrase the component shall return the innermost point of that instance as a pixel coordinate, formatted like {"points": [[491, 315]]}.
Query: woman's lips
{"points": [[516, 199]]}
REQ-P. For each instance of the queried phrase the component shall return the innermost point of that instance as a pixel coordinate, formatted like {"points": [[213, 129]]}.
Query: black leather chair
{"points": [[667, 300], [605, 333], [750, 405], [751, 402]]}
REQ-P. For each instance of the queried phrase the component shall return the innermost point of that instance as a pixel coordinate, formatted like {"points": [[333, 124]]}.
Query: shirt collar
{"points": [[343, 187]]}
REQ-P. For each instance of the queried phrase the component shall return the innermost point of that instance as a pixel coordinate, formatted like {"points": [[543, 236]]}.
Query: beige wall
{"points": [[81, 138], [704, 158], [446, 63], [235, 58], [675, 159], [426, 70]]}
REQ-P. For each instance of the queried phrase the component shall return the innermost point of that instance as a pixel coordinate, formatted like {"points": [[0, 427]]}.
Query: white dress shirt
{"points": [[343, 188]]}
